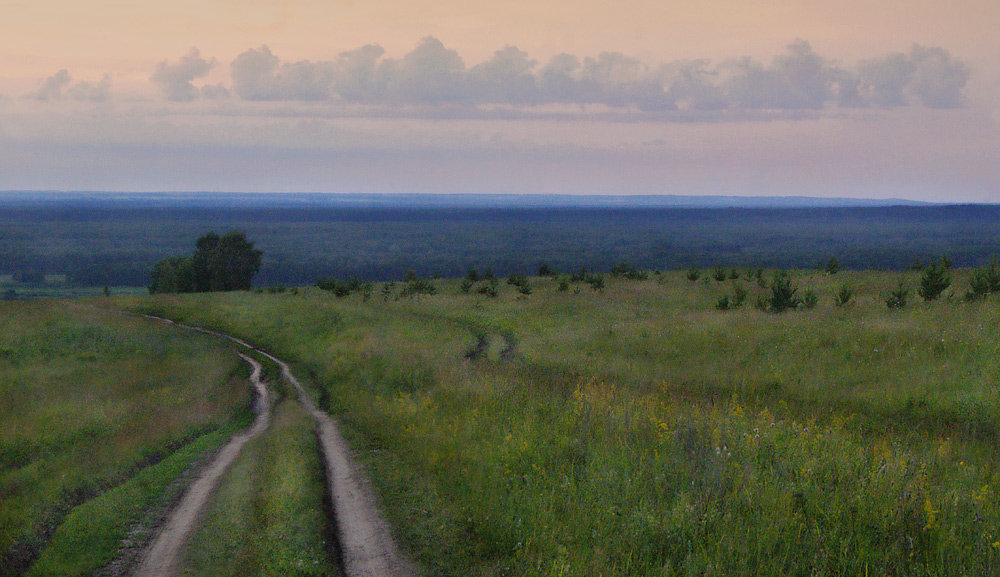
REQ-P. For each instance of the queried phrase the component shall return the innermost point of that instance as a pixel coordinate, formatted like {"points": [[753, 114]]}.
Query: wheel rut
{"points": [[367, 546], [163, 554]]}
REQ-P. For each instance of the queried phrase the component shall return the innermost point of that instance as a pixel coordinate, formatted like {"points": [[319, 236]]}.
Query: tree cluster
{"points": [[225, 263]]}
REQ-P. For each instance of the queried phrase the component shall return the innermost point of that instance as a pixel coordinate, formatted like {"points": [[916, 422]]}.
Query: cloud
{"points": [[927, 76], [693, 85], [356, 74], [429, 74], [53, 86], [507, 78], [434, 76], [60, 86], [99, 91], [938, 79], [796, 80], [175, 80], [260, 75]]}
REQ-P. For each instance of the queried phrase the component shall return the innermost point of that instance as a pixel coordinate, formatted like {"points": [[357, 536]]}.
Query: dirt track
{"points": [[162, 556], [366, 544]]}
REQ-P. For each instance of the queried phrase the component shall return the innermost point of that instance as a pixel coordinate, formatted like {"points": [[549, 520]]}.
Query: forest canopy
{"points": [[223, 263]]}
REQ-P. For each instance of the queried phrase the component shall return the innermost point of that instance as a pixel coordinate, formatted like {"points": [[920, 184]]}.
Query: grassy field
{"points": [[638, 430], [101, 412]]}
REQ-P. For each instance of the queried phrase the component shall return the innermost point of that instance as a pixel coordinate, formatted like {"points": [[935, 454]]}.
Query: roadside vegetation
{"points": [[635, 427], [101, 413]]}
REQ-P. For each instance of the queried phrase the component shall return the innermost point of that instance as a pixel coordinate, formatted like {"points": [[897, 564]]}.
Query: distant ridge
{"points": [[427, 201]]}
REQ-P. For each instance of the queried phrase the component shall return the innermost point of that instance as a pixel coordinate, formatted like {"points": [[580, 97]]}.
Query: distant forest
{"points": [[105, 245]]}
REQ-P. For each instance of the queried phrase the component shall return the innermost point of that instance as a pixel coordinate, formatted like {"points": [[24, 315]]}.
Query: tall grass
{"points": [[89, 398], [640, 431]]}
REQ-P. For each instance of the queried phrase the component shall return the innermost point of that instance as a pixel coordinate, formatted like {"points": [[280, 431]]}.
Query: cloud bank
{"points": [[434, 75], [434, 79]]}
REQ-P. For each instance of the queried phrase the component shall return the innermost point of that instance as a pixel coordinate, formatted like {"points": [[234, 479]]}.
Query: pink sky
{"points": [[134, 139]]}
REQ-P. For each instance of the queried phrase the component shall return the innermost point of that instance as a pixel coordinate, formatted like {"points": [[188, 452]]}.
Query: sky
{"points": [[846, 98]]}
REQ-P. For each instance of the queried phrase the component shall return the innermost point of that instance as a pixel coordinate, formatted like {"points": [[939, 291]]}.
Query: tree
{"points": [[782, 294], [935, 280], [173, 275], [897, 297]]}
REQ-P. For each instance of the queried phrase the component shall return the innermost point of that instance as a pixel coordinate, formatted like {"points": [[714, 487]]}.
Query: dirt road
{"points": [[162, 556], [366, 544]]}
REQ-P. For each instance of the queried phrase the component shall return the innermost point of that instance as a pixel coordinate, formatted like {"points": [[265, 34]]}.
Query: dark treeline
{"points": [[107, 246]]}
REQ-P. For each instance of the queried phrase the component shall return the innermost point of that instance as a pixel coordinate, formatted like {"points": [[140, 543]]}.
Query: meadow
{"points": [[640, 430], [102, 412]]}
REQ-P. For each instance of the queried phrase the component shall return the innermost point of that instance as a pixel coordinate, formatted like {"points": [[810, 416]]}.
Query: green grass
{"points": [[640, 431], [269, 516], [91, 535], [90, 398]]}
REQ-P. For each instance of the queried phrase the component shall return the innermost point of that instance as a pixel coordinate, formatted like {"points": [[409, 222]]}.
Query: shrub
{"points": [[596, 282], [332, 285], [844, 295], [418, 286], [992, 273], [524, 289], [545, 270], [719, 274], [466, 285], [579, 276], [517, 279], [934, 281], [563, 285], [734, 274], [387, 289], [627, 271], [723, 303], [979, 286], [739, 296], [809, 299], [759, 275], [896, 299], [782, 294], [472, 275], [832, 266], [488, 289], [693, 274]]}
